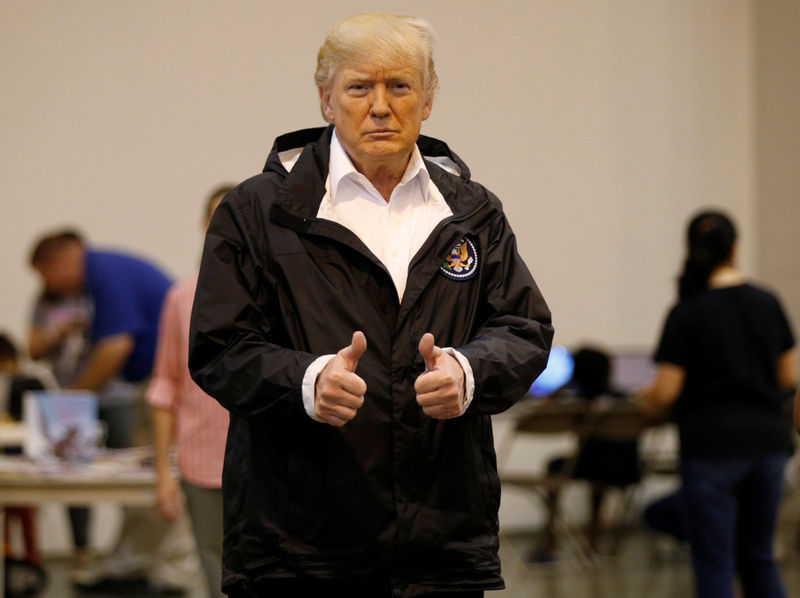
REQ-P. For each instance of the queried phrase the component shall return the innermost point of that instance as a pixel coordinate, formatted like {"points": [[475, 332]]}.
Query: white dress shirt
{"points": [[393, 231]]}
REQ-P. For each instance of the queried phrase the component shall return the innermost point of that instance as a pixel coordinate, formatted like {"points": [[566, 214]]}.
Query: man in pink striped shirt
{"points": [[196, 422]]}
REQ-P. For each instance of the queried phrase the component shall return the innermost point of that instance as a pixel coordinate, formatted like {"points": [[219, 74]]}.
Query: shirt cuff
{"points": [[310, 380], [469, 378]]}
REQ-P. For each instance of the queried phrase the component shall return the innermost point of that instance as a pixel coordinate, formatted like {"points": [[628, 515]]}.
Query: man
{"points": [[360, 459], [126, 294], [181, 410]]}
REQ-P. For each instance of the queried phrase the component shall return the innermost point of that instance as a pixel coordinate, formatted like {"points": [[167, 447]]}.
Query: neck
{"points": [[385, 182], [384, 176], [725, 275]]}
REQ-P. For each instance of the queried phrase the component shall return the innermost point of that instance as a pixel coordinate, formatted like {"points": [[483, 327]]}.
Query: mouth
{"points": [[382, 132]]}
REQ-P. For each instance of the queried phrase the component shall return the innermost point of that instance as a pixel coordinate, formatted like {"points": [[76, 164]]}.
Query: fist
{"points": [[441, 389], [339, 392]]}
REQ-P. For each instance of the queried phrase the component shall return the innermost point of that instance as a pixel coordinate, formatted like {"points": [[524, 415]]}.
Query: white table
{"points": [[116, 476]]}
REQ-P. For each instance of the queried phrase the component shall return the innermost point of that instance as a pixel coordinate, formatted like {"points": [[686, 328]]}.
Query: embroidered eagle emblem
{"points": [[462, 261]]}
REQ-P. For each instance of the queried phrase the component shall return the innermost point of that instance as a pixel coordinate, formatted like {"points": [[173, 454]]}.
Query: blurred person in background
{"points": [[197, 424], [726, 361], [126, 294]]}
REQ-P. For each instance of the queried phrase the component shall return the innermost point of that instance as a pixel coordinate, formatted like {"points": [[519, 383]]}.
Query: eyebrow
{"points": [[388, 75]]}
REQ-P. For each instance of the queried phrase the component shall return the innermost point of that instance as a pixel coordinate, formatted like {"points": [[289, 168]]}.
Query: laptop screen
{"points": [[631, 370]]}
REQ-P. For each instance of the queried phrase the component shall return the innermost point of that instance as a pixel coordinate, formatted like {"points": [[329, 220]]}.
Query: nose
{"points": [[379, 108]]}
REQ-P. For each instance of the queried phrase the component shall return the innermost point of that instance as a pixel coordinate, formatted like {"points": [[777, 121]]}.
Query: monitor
{"points": [[556, 374], [631, 371]]}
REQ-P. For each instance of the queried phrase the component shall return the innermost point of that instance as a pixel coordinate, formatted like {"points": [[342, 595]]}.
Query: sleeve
{"points": [[674, 344], [169, 363], [233, 352], [511, 347]]}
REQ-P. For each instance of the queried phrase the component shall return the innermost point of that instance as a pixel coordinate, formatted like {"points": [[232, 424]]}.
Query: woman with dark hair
{"points": [[726, 364]]}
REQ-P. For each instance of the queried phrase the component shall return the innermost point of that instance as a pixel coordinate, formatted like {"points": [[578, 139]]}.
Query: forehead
{"points": [[373, 72]]}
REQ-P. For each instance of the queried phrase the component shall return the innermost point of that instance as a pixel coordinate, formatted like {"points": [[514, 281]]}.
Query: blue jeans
{"points": [[732, 510]]}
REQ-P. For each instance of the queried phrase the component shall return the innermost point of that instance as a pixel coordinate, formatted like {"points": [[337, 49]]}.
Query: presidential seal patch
{"points": [[462, 262]]}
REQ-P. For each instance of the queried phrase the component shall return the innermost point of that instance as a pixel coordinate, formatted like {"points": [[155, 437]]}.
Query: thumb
{"points": [[353, 352], [429, 350]]}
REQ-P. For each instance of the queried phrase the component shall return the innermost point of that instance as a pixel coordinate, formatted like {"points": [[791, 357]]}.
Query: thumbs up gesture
{"points": [[339, 392], [441, 389]]}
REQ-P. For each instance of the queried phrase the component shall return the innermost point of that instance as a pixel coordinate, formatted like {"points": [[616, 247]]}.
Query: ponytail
{"points": [[710, 239]]}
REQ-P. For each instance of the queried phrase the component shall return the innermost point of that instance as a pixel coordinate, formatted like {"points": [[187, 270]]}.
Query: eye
{"points": [[401, 87], [357, 89]]}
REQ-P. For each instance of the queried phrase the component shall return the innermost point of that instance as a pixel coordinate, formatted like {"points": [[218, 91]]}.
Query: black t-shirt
{"points": [[729, 340]]}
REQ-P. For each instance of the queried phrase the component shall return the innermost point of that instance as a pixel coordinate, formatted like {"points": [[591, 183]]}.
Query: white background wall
{"points": [[601, 124], [777, 92]]}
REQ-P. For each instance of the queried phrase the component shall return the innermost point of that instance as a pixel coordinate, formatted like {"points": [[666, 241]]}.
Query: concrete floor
{"points": [[645, 566]]}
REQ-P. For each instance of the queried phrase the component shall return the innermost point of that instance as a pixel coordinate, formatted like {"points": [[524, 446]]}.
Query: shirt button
{"points": [[394, 253]]}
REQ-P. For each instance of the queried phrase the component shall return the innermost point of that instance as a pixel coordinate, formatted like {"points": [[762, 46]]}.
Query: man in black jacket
{"points": [[362, 311]]}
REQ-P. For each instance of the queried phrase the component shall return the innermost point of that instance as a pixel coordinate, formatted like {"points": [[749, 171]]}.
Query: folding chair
{"points": [[618, 421], [547, 417]]}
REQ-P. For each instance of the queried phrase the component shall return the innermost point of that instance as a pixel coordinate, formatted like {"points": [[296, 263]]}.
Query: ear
{"points": [[325, 104], [427, 107]]}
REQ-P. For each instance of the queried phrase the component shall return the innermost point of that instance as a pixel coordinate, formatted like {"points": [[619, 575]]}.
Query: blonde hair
{"points": [[381, 39]]}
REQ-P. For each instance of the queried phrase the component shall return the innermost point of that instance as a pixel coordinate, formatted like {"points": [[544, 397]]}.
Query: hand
{"points": [[169, 498], [338, 392], [76, 323], [440, 390]]}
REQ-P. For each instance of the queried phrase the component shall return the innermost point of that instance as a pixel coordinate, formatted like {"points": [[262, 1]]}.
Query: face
{"points": [[378, 113], [63, 272]]}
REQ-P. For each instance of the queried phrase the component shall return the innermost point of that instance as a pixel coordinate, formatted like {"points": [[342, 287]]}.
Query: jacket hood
{"points": [[287, 148]]}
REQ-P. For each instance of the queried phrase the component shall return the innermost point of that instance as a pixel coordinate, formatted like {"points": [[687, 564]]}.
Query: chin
{"points": [[384, 149]]}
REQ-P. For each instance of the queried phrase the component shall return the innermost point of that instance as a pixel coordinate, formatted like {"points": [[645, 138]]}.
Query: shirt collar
{"points": [[341, 167]]}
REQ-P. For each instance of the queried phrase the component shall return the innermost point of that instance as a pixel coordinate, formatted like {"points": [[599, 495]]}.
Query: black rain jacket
{"points": [[394, 496]]}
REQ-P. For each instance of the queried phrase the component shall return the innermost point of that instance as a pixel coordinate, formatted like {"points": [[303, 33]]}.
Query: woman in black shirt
{"points": [[726, 362]]}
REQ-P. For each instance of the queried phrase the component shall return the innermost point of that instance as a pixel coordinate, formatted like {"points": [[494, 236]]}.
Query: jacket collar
{"points": [[299, 196], [303, 188]]}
